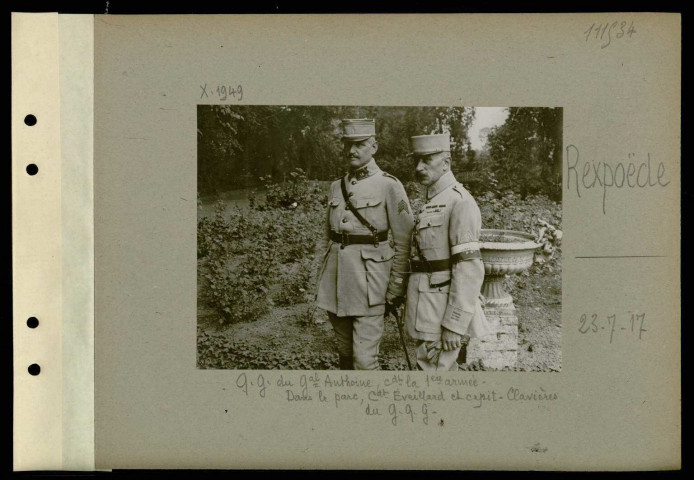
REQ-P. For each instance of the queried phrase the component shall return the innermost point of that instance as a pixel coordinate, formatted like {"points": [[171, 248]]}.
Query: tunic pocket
{"points": [[430, 231], [367, 209], [335, 213], [432, 302], [377, 264]]}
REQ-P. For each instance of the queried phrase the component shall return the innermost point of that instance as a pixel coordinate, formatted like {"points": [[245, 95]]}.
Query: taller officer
{"points": [[443, 296], [362, 271]]}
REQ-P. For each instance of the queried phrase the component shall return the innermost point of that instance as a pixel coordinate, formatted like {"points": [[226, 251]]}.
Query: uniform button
{"points": [[382, 257], [354, 182], [368, 203], [344, 220], [439, 289], [351, 194]]}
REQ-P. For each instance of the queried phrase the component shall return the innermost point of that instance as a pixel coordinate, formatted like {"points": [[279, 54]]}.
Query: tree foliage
{"points": [[239, 144], [525, 152]]}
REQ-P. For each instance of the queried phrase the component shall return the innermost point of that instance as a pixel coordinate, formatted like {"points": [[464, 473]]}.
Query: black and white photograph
{"points": [[404, 241], [379, 237]]}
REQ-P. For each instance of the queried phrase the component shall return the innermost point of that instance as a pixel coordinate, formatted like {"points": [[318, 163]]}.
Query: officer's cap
{"points": [[357, 129], [430, 144]]}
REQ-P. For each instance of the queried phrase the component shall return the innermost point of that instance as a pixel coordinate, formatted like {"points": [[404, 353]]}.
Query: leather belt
{"points": [[442, 265], [431, 266], [353, 239]]}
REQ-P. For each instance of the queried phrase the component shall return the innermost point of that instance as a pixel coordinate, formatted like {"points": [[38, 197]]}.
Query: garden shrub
{"points": [[239, 293], [295, 283], [215, 350], [297, 192], [243, 254]]}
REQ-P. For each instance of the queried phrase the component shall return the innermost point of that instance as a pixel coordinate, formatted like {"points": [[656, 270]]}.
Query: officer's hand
{"points": [[391, 309], [393, 305], [450, 340], [394, 299]]}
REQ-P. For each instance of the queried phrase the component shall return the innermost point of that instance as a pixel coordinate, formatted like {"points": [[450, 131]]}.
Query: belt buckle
{"points": [[375, 237], [345, 240], [429, 270]]}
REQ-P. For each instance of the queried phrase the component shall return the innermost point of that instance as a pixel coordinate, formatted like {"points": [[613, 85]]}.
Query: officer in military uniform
{"points": [[443, 304], [363, 274]]}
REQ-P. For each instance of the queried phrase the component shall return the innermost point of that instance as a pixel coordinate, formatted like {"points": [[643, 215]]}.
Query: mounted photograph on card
{"points": [[473, 238], [391, 238]]}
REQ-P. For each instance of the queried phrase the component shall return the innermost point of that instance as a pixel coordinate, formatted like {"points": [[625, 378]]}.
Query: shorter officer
{"points": [[443, 297]]}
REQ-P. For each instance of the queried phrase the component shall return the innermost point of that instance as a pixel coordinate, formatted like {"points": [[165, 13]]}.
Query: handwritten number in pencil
{"points": [[603, 32], [222, 93]]}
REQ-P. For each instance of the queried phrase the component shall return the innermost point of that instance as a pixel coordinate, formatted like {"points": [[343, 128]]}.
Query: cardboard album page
{"points": [[193, 287]]}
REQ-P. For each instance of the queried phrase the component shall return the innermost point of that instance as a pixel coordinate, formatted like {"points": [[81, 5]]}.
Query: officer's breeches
{"points": [[430, 356], [358, 337]]}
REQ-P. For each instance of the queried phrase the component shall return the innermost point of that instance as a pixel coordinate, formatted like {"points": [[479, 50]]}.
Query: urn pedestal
{"points": [[504, 252]]}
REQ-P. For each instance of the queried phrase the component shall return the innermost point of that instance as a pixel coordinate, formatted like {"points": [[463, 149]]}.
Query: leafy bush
{"points": [[213, 233], [298, 232], [416, 193], [215, 350], [510, 212], [297, 192], [482, 181], [550, 238], [238, 293], [295, 283], [243, 254]]}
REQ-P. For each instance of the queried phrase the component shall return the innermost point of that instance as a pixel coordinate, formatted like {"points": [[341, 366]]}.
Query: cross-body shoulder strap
{"points": [[351, 208]]}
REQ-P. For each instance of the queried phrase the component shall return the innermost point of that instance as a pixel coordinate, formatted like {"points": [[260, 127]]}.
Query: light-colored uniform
{"points": [[448, 227], [353, 279]]}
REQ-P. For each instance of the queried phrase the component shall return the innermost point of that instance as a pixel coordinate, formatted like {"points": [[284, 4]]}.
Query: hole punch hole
{"points": [[32, 322], [30, 120], [34, 369], [32, 169]]}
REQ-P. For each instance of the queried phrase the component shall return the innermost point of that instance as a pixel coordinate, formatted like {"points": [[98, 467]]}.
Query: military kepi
{"points": [[430, 144], [357, 129]]}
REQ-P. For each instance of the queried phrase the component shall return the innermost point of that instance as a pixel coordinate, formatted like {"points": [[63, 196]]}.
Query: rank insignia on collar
{"points": [[360, 174]]}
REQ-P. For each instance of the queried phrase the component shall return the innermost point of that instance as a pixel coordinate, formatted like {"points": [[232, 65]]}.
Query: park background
{"points": [[263, 175]]}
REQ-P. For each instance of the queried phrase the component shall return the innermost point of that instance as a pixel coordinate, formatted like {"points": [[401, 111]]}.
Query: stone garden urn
{"points": [[504, 252]]}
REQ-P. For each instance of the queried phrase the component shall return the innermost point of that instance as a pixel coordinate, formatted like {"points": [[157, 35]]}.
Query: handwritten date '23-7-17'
{"points": [[605, 32], [594, 323]]}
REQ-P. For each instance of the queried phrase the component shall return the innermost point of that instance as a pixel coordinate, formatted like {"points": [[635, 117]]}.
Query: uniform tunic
{"points": [[353, 280], [448, 224]]}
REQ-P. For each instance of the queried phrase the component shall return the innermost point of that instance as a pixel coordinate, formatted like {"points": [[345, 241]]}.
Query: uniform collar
{"points": [[365, 171], [446, 180]]}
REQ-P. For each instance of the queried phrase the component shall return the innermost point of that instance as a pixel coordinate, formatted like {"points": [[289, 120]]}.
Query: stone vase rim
{"points": [[527, 243]]}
